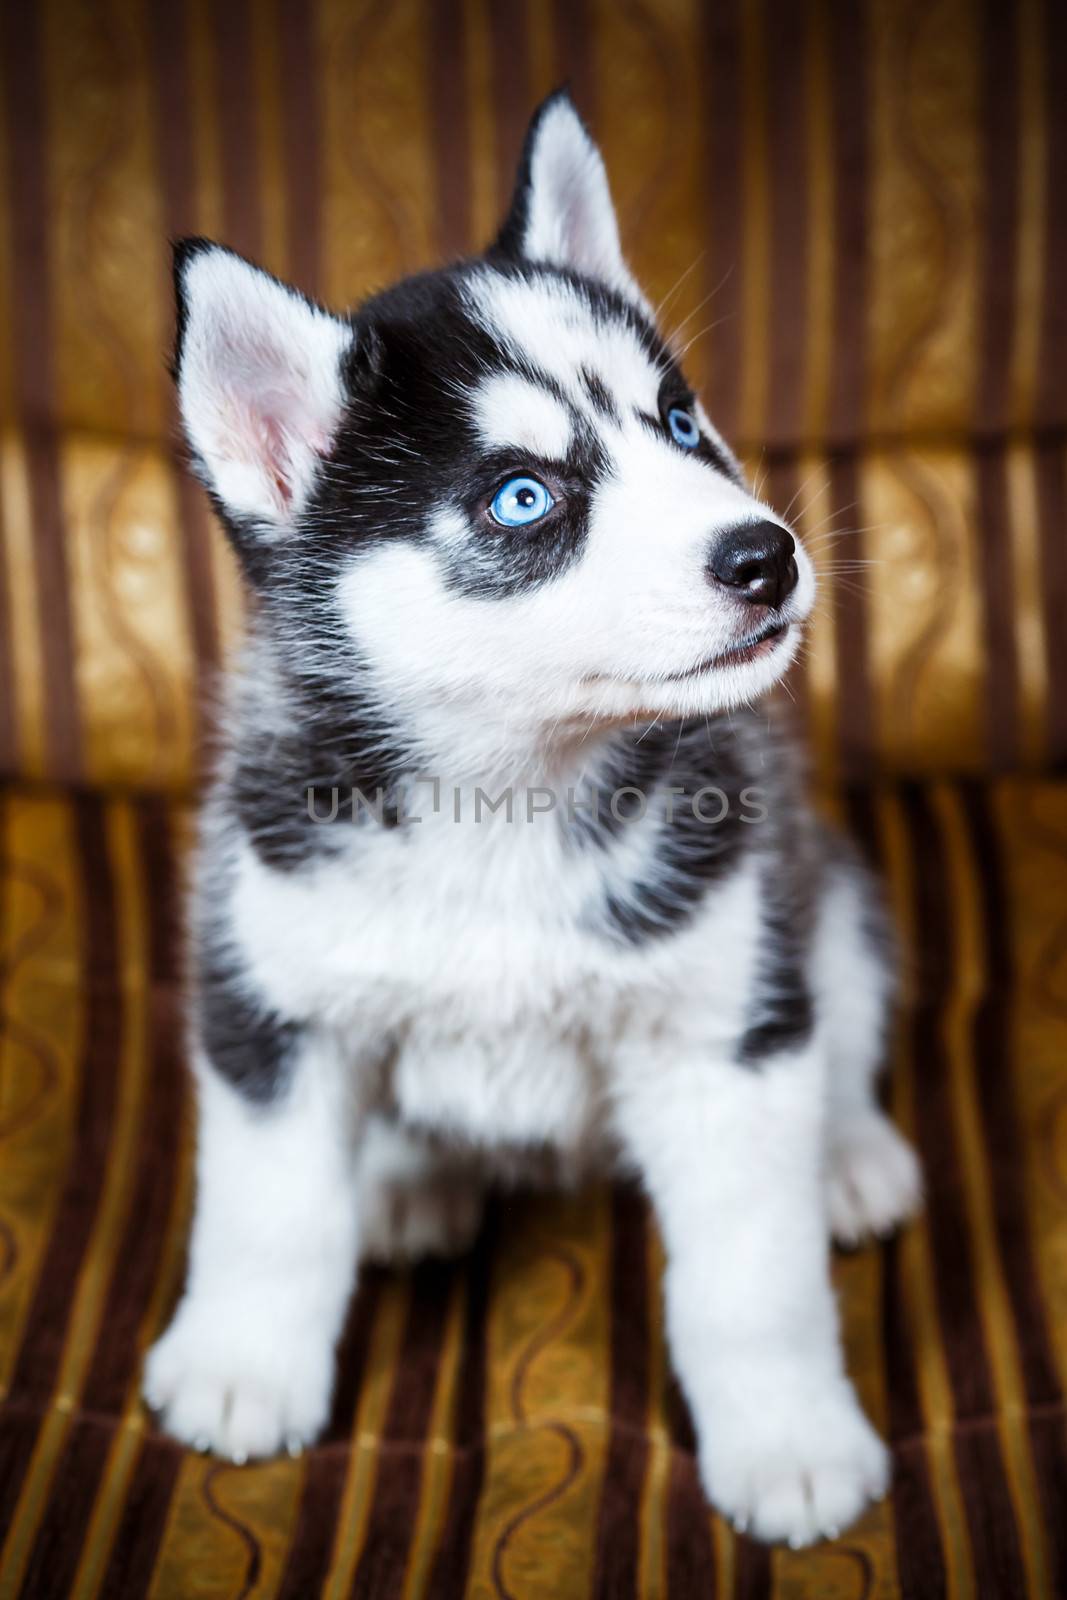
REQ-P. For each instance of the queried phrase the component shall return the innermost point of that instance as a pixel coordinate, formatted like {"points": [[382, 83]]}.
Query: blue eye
{"points": [[520, 502], [683, 427]]}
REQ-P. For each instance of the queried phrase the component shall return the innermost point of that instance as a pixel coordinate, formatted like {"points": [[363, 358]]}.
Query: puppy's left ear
{"points": [[260, 374], [561, 211]]}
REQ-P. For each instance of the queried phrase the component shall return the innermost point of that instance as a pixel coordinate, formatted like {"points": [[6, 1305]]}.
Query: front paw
{"points": [[239, 1384], [873, 1179], [794, 1472]]}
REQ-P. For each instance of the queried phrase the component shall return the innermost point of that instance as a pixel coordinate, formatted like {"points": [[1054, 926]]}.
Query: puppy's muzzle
{"points": [[756, 561]]}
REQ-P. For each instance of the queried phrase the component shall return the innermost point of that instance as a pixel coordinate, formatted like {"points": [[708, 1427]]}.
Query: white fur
{"points": [[872, 1176], [246, 1367], [785, 1450], [515, 414]]}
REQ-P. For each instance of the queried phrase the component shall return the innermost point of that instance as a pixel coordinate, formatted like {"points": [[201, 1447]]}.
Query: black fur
{"points": [[246, 1043], [701, 842]]}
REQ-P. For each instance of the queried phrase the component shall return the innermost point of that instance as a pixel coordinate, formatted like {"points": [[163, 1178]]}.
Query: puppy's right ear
{"points": [[561, 210], [260, 381]]}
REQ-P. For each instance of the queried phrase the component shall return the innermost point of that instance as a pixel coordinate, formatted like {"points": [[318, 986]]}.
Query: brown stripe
{"points": [[237, 99], [139, 1258], [919, 1553], [302, 142], [33, 354], [752, 1571], [999, 129], [397, 1490], [688, 1552], [983, 1482], [172, 99], [311, 1549], [1050, 408], [116, 1358], [57, 1550], [574, 55], [144, 1518], [849, 111], [996, 574], [994, 1062], [508, 45], [448, 102], [168, 47], [619, 1517], [1051, 475], [857, 736], [198, 575], [723, 202], [787, 158], [452, 1564], [45, 1326]]}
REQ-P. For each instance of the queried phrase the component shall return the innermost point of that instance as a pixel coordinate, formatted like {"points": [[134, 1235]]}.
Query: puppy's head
{"points": [[491, 487]]}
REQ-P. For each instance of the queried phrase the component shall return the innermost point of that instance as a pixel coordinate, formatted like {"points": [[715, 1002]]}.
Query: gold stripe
{"points": [[43, 1002], [546, 1400], [261, 1499], [379, 200], [1029, 608], [924, 190], [226, 580], [813, 517], [917, 1265], [105, 226], [83, 1325], [724, 1546], [135, 668], [994, 1306], [924, 608], [439, 1454], [1032, 221], [365, 1446]]}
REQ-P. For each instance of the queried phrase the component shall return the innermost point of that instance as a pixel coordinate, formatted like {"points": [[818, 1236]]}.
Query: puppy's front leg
{"points": [[247, 1364], [731, 1155]]}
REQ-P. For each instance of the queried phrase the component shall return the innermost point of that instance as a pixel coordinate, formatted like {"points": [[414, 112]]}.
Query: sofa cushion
{"points": [[508, 1425]]}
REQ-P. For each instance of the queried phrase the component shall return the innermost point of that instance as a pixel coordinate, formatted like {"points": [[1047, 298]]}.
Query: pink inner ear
{"points": [[276, 435], [278, 460]]}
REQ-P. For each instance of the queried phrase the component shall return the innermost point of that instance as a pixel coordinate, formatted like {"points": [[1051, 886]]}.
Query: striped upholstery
{"points": [[857, 216], [507, 1427]]}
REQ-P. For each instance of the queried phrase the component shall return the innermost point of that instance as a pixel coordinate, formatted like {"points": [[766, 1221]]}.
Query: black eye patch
{"points": [[497, 562]]}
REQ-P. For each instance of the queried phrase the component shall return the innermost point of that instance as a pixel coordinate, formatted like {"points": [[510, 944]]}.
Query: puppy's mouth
{"points": [[748, 649]]}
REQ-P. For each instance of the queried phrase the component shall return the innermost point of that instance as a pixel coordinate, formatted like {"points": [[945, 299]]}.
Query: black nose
{"points": [[756, 560]]}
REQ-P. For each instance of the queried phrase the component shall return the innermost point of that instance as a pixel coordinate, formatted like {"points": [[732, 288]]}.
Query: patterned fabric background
{"points": [[855, 215]]}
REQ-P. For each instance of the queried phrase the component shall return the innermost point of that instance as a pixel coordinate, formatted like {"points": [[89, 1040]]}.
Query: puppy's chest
{"points": [[482, 928]]}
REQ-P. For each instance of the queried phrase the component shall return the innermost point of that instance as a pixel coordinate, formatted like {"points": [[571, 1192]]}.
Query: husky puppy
{"points": [[501, 876]]}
